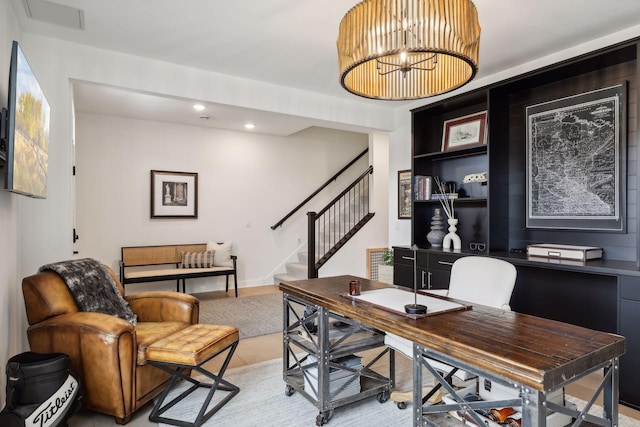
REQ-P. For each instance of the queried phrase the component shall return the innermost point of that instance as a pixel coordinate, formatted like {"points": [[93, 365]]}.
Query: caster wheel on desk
{"points": [[383, 396], [289, 390], [323, 418], [402, 405]]}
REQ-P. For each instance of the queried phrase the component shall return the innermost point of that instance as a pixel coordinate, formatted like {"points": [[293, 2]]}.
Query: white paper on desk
{"points": [[396, 299]]}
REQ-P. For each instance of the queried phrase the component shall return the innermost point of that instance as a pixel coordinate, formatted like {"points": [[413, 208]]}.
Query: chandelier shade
{"points": [[408, 49]]}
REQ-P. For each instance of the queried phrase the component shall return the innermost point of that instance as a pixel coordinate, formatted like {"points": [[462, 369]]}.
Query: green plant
{"points": [[387, 257]]}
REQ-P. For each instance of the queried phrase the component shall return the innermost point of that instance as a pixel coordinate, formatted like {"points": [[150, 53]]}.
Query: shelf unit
{"points": [[499, 219], [560, 291]]}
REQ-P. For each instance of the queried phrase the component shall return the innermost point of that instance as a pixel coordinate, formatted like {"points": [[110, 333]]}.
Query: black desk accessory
{"points": [[415, 308]]}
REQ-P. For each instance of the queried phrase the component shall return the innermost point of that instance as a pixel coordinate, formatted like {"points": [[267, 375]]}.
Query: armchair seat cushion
{"points": [[150, 332]]}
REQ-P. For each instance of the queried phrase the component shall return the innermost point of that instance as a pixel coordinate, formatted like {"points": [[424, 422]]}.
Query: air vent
{"points": [[54, 13]]}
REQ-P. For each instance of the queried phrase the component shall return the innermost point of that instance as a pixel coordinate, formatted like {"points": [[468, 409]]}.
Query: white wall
{"points": [[36, 232], [247, 182], [351, 259]]}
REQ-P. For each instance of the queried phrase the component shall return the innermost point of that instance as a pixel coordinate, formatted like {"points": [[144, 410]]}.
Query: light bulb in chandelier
{"points": [[403, 64]]}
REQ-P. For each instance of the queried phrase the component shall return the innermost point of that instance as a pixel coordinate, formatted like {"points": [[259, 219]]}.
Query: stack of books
{"points": [[342, 382], [422, 187]]}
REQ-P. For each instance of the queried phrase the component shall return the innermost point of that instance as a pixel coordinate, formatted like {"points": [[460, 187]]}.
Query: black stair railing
{"points": [[333, 226], [322, 187]]}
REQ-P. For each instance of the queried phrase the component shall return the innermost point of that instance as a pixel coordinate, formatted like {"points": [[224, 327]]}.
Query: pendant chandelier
{"points": [[408, 49]]}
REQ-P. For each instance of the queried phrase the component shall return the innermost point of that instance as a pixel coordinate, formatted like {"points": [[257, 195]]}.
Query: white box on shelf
{"points": [[341, 381], [549, 250]]}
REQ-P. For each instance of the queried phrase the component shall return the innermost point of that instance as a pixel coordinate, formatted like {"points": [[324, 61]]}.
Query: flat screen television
{"points": [[26, 135]]}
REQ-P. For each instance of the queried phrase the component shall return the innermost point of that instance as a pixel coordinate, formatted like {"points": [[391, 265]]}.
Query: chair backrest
{"points": [[47, 295], [482, 280]]}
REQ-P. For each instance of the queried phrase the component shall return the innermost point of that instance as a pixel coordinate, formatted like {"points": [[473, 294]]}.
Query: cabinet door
{"points": [[403, 275], [629, 321], [629, 367], [439, 279]]}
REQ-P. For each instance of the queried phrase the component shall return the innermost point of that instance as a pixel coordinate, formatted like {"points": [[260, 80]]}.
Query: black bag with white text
{"points": [[41, 391]]}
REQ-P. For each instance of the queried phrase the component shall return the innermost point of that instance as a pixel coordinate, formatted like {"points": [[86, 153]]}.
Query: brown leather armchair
{"points": [[106, 352]]}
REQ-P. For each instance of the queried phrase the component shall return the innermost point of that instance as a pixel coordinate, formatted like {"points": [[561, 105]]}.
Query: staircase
{"points": [[294, 270], [331, 228]]}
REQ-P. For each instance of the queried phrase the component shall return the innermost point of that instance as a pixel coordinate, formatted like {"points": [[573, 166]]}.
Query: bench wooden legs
{"points": [[176, 371], [235, 284], [226, 289]]}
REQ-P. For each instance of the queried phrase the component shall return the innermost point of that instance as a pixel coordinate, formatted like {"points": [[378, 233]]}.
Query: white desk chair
{"points": [[476, 279]]}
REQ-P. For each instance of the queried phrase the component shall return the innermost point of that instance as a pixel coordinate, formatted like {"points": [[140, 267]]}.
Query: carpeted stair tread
{"points": [[284, 277]]}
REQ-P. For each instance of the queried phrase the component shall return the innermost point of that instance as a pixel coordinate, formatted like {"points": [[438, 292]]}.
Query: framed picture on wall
{"points": [[576, 161], [404, 194], [464, 132], [174, 194]]}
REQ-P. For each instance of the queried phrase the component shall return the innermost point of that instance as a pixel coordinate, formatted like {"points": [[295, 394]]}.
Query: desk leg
{"points": [[417, 386], [610, 392], [324, 403], [534, 411]]}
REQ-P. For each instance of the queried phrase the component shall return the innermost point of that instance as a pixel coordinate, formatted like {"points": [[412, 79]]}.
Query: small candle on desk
{"points": [[354, 288]]}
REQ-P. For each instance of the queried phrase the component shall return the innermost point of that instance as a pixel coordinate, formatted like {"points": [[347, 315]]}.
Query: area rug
{"points": [[253, 315], [262, 402]]}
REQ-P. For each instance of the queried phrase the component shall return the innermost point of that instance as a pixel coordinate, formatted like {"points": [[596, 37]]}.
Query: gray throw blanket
{"points": [[92, 287]]}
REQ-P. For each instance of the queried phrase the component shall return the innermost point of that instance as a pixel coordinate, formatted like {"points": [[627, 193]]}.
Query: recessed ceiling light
{"points": [[199, 107], [249, 126]]}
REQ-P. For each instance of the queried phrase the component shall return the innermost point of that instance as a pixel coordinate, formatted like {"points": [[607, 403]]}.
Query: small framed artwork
{"points": [[464, 132], [404, 194], [174, 194]]}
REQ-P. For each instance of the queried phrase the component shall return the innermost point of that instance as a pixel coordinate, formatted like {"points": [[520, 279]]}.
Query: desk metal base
{"points": [[534, 404]]}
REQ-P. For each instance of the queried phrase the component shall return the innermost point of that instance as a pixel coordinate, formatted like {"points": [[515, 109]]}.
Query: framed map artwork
{"points": [[576, 161]]}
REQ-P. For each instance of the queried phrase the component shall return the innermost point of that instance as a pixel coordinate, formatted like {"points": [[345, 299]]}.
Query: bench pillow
{"points": [[222, 254], [197, 259]]}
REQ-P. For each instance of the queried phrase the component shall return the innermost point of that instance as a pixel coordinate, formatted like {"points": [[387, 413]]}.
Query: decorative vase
{"points": [[452, 237], [437, 233]]}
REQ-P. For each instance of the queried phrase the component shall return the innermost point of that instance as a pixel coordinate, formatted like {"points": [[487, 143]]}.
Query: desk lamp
{"points": [[415, 308]]}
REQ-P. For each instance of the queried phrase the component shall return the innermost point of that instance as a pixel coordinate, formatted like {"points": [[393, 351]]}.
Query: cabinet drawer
{"points": [[441, 261], [403, 256], [630, 288]]}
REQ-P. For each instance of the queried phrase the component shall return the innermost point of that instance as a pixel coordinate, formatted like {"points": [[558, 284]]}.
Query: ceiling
{"points": [[286, 42]]}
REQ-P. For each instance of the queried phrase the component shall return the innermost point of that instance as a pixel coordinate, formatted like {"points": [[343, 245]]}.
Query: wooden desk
{"points": [[538, 355]]}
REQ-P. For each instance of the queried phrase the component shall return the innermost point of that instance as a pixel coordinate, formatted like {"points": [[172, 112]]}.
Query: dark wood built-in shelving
{"points": [[601, 294]]}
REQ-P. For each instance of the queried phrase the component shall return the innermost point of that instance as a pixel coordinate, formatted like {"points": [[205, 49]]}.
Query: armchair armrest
{"points": [[70, 332], [159, 306], [102, 351]]}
